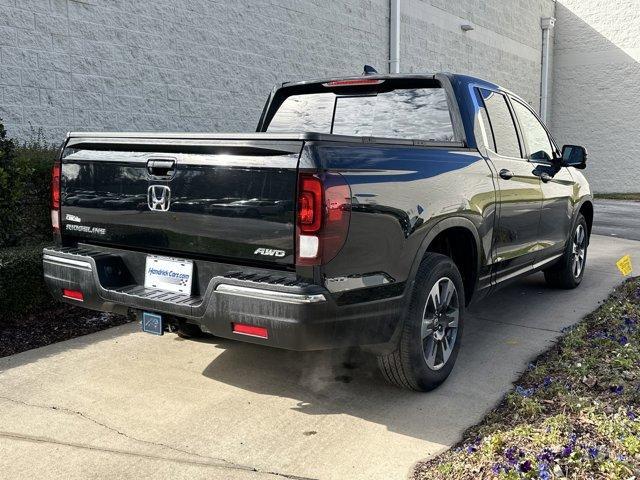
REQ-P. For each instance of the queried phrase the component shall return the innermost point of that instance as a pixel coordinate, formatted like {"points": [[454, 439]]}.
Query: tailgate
{"points": [[231, 200]]}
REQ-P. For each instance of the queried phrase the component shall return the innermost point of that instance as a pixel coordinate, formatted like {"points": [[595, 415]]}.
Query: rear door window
{"points": [[535, 135], [505, 136], [408, 113]]}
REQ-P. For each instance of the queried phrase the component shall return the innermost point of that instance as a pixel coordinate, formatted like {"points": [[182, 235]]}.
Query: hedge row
{"points": [[22, 288], [25, 223], [25, 179]]}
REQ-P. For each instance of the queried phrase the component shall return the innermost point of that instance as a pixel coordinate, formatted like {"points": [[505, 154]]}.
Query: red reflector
{"points": [[72, 294], [352, 82], [251, 330]]}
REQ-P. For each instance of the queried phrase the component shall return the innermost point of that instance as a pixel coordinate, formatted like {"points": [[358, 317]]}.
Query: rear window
{"points": [[408, 113]]}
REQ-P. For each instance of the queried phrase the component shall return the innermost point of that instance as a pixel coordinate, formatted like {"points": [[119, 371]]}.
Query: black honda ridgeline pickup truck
{"points": [[366, 211]]}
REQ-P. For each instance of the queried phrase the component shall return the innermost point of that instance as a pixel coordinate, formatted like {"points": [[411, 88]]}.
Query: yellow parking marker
{"points": [[624, 265]]}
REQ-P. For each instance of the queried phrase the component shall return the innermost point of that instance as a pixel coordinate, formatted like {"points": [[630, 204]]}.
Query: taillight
{"points": [[310, 204], [324, 212], [55, 198]]}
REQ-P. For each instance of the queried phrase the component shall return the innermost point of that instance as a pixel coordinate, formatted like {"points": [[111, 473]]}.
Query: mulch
{"points": [[52, 325]]}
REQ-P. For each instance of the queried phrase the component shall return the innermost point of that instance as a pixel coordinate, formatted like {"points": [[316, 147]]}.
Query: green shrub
{"points": [[25, 178], [22, 288]]}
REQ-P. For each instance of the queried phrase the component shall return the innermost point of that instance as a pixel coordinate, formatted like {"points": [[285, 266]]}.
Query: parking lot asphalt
{"points": [[617, 218], [125, 404]]}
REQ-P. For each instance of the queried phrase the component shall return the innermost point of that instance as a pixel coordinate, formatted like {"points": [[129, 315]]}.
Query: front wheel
{"points": [[431, 333], [568, 271]]}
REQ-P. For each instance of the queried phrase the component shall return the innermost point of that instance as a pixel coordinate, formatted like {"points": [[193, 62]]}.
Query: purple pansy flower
{"points": [[525, 466], [546, 456], [524, 392], [543, 471], [616, 389], [510, 455]]}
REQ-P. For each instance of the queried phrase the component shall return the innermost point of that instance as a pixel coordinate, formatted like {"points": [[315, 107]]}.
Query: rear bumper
{"points": [[297, 316]]}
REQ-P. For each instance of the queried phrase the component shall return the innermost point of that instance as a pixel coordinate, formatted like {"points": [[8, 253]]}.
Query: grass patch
{"points": [[618, 196], [573, 414]]}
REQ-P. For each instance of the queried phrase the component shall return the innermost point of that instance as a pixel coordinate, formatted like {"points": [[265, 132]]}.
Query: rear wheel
{"points": [[569, 270], [431, 334]]}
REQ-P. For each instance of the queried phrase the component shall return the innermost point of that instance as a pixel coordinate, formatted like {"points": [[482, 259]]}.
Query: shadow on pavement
{"points": [[347, 381]]}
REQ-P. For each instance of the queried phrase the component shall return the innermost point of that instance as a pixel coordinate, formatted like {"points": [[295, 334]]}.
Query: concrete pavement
{"points": [[124, 404]]}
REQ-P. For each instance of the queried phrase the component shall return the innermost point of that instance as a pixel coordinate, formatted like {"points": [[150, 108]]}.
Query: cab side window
{"points": [[505, 136], [535, 136]]}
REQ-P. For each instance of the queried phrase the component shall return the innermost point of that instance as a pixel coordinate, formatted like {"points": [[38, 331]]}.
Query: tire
{"points": [[412, 364], [567, 273], [189, 330]]}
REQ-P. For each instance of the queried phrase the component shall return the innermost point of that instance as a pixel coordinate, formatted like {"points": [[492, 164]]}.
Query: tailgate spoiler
{"points": [[280, 142]]}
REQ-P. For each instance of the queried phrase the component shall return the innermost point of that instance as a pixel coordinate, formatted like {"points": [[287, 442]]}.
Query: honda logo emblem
{"points": [[159, 198]]}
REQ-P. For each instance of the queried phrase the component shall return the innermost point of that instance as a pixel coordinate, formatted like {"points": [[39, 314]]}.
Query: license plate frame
{"points": [[152, 323], [169, 274]]}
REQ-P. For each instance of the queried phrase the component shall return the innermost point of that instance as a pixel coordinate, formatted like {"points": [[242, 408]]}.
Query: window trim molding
{"points": [[514, 120], [552, 143]]}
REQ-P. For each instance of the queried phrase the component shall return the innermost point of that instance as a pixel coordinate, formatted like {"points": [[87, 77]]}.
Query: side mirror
{"points": [[574, 156]]}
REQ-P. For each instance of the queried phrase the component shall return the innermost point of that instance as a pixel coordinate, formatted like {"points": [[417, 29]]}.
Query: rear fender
{"points": [[438, 228], [424, 246]]}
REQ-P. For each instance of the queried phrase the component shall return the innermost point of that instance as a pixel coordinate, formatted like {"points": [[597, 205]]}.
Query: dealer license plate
{"points": [[171, 274]]}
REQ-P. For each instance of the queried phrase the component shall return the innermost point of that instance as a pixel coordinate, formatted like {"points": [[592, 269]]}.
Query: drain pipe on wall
{"points": [[394, 36], [547, 25]]}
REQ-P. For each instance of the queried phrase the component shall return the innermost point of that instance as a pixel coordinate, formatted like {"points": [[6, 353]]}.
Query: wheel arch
{"points": [[452, 237], [586, 209]]}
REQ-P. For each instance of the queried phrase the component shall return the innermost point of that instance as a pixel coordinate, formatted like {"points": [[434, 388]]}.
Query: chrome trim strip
{"points": [[253, 292], [547, 260], [66, 261], [528, 268], [341, 284]]}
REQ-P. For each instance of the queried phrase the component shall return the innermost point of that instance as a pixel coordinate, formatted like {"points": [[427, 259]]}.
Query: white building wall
{"points": [[596, 88], [199, 65], [504, 46]]}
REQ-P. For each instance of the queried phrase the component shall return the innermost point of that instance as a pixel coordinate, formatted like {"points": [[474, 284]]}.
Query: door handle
{"points": [[542, 175], [161, 168], [506, 174]]}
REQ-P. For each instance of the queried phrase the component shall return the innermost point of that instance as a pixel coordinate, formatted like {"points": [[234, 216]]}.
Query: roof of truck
{"points": [[393, 76]]}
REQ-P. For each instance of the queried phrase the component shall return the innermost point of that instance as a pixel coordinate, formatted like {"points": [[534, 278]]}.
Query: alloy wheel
{"points": [[440, 323], [578, 250]]}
